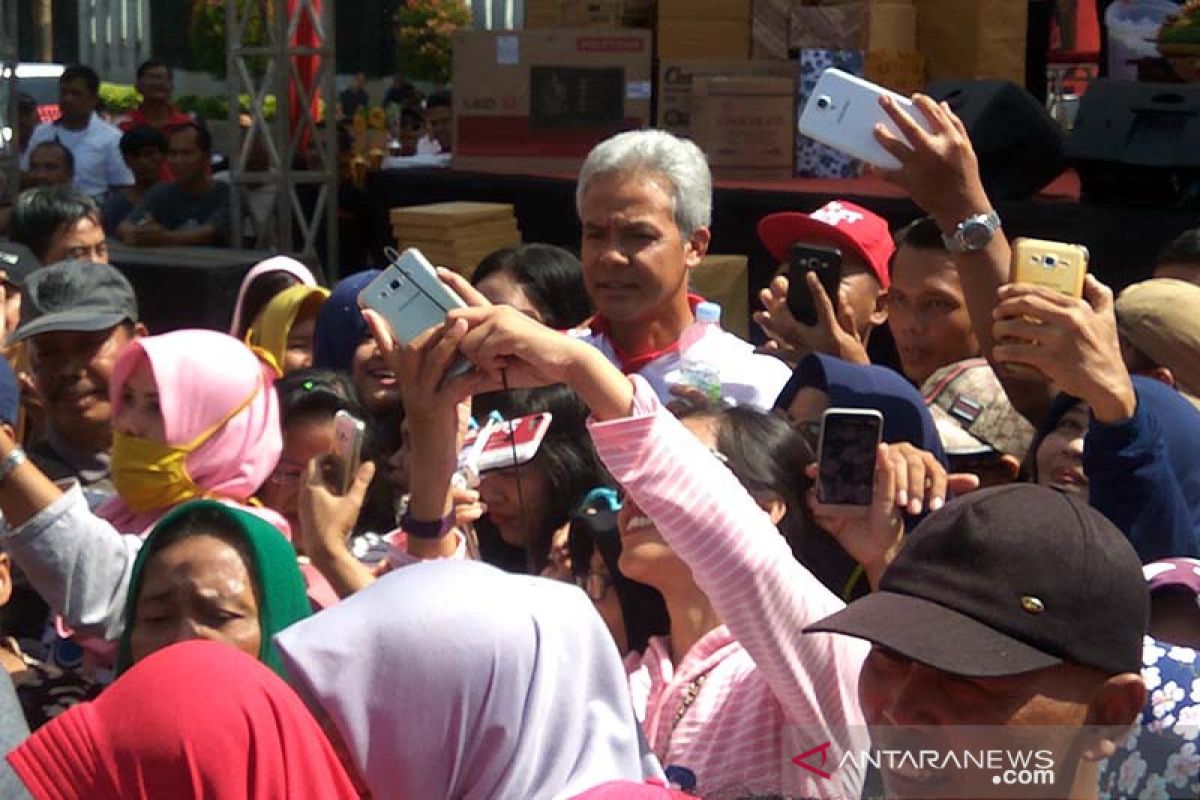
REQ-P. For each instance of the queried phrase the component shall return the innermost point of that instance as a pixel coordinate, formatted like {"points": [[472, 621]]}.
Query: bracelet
{"points": [[15, 458], [423, 529]]}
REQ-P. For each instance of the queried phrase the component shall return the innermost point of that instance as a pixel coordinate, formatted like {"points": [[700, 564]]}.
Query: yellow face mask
{"points": [[150, 475]]}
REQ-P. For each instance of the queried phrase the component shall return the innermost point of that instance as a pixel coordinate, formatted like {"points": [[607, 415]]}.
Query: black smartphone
{"points": [[846, 458], [803, 259]]}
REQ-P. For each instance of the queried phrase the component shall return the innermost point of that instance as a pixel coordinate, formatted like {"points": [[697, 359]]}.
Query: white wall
{"points": [[114, 37]]}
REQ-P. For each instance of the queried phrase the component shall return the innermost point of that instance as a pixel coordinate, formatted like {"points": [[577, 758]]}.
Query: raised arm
{"points": [[940, 171], [76, 561]]}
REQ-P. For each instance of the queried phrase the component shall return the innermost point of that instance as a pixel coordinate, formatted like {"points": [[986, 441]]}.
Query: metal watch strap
{"points": [[15, 458], [956, 242]]}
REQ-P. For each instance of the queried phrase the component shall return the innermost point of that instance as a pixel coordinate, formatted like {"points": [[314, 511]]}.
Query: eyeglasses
{"points": [[595, 583]]}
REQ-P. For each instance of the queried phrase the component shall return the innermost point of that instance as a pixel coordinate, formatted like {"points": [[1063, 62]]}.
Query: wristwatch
{"points": [[972, 234]]}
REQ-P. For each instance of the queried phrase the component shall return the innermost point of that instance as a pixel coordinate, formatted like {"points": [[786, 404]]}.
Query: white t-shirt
{"points": [[747, 378], [97, 152]]}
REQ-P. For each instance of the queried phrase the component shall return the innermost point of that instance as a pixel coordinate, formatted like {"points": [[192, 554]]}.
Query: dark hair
{"points": [[566, 458], [204, 520], [260, 292], [411, 117], [26, 102], [203, 137], [84, 73], [550, 276], [143, 136], [437, 99], [922, 233], [67, 155], [766, 454], [1183, 249], [315, 392], [39, 214], [153, 63]]}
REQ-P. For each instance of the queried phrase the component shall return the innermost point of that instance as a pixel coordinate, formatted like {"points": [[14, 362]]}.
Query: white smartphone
{"points": [[411, 297], [846, 458], [348, 434], [842, 112]]}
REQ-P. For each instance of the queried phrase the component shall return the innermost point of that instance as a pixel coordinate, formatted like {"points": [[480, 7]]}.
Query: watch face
{"points": [[976, 235]]}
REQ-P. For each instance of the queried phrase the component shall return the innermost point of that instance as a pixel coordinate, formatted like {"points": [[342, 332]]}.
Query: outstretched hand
{"points": [[833, 334], [938, 165], [1072, 341]]}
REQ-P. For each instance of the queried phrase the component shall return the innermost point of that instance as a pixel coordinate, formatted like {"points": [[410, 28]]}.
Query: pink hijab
{"points": [[201, 376], [273, 264]]}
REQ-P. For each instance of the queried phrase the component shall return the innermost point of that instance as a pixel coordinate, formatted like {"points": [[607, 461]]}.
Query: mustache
{"points": [[63, 388]]}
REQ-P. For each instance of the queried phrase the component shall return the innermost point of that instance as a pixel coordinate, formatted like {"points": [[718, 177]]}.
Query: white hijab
{"points": [[452, 679], [272, 264]]}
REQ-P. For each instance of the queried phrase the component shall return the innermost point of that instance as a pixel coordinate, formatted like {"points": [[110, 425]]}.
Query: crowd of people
{"points": [[195, 602]]}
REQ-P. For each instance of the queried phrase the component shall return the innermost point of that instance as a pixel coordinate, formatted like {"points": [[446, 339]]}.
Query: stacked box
{"points": [[542, 14], [710, 29], [780, 28], [538, 101], [457, 235], [746, 125], [724, 279], [675, 78]]}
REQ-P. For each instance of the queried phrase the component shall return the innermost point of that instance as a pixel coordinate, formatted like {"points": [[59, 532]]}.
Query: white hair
{"points": [[657, 153]]}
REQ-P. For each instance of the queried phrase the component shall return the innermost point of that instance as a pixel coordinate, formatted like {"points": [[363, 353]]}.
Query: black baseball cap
{"points": [[1008, 580], [74, 296], [17, 261]]}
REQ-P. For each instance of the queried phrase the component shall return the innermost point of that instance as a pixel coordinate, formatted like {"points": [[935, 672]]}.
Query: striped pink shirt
{"points": [[761, 673]]}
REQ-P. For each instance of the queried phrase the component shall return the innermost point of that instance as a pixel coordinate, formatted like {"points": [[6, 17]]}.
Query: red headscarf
{"points": [[196, 719]]}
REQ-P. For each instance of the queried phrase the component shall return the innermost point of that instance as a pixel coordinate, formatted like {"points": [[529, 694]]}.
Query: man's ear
{"points": [[697, 247], [140, 329], [5, 580], [879, 314], [1115, 706], [1010, 467], [1162, 375]]}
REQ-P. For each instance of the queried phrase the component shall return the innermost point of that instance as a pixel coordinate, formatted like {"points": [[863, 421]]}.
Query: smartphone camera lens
{"points": [[1049, 261], [823, 102], [395, 284]]}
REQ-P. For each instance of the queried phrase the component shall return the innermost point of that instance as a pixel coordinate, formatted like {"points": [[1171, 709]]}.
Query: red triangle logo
{"points": [[802, 760]]}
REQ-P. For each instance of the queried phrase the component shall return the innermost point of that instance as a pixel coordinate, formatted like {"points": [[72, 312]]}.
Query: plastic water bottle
{"points": [[694, 371]]}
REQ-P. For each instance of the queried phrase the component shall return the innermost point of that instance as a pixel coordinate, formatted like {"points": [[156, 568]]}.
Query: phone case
{"points": [[843, 112], [410, 296], [827, 263], [1055, 265], [846, 457], [348, 433], [506, 444]]}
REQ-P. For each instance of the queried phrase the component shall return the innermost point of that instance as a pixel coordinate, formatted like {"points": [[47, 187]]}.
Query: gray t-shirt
{"points": [[179, 210]]}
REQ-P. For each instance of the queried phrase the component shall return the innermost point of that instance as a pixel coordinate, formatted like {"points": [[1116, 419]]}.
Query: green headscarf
{"points": [[279, 586]]}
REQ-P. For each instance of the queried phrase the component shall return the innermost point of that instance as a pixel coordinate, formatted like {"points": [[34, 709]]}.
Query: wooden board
{"points": [[450, 215]]}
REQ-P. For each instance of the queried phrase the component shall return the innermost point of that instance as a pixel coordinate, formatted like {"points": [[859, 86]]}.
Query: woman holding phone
{"points": [[733, 667]]}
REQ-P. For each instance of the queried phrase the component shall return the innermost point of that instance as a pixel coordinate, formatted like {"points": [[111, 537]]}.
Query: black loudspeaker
{"points": [[1020, 147], [1138, 143]]}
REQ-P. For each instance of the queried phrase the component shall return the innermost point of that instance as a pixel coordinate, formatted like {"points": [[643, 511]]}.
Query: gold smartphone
{"points": [[1055, 265], [1058, 266]]}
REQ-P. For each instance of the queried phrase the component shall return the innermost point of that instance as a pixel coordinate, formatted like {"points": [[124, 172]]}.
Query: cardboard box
{"points": [[868, 25], [973, 39], [674, 88], [547, 96], [770, 22], [443, 216], [724, 279], [900, 72], [679, 38], [543, 14], [733, 10], [586, 13], [745, 124]]}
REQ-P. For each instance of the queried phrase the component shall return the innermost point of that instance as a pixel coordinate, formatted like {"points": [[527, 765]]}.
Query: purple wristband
{"points": [[426, 530]]}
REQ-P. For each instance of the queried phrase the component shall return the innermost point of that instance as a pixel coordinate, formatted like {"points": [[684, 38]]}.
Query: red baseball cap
{"points": [[851, 226]]}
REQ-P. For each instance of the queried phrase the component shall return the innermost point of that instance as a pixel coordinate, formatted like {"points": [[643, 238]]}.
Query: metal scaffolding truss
{"points": [[284, 171], [9, 154]]}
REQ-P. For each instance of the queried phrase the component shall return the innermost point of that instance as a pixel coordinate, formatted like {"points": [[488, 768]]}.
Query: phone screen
{"points": [[846, 471], [803, 259]]}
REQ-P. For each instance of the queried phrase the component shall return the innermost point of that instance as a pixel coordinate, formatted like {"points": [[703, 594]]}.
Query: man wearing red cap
{"points": [[844, 322]]}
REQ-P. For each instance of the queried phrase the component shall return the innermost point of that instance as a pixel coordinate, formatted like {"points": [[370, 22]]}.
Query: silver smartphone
{"points": [[348, 434], [842, 112], [846, 458], [412, 299]]}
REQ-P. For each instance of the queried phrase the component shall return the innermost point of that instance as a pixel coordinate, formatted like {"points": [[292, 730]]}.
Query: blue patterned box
{"points": [[815, 160]]}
